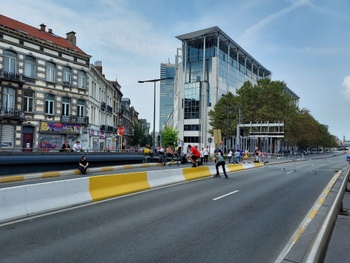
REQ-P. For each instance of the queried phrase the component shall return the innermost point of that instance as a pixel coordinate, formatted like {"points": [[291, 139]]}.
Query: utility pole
{"points": [[238, 128]]}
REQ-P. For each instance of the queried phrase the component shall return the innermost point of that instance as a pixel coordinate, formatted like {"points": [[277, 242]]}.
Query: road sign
{"points": [[210, 140], [120, 130]]}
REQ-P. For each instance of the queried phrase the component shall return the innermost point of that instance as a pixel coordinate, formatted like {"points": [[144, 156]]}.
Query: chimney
{"points": [[42, 27], [71, 37], [50, 30], [98, 66]]}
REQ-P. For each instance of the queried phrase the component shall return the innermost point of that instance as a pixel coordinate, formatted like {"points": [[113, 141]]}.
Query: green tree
{"points": [[138, 135], [268, 101], [169, 136], [225, 115]]}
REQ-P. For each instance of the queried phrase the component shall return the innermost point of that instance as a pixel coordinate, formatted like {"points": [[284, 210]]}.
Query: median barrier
{"points": [[28, 200]]}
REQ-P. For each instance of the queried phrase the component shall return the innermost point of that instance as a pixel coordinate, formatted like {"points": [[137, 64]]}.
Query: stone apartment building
{"points": [[49, 92]]}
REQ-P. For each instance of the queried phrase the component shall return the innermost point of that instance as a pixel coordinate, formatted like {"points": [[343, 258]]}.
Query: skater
{"points": [[219, 161]]}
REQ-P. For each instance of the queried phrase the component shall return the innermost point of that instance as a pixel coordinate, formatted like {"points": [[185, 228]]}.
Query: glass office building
{"points": [[166, 95], [211, 64]]}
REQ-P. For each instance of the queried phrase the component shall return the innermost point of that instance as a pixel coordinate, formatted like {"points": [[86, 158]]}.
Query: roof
{"points": [[37, 33], [215, 31]]}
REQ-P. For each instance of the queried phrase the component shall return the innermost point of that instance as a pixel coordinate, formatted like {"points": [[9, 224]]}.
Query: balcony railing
{"points": [[103, 105], [11, 76], [6, 113], [109, 109], [75, 119]]}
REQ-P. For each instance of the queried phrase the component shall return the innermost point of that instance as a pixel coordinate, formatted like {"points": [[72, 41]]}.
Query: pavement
{"points": [[339, 246]]}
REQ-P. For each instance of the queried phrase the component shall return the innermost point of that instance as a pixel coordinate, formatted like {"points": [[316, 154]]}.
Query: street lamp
{"points": [[154, 108]]}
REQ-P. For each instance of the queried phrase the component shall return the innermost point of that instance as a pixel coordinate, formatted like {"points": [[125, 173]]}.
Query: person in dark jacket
{"points": [[83, 164]]}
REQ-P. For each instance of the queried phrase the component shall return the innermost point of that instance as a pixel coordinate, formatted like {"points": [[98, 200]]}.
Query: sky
{"points": [[304, 43]]}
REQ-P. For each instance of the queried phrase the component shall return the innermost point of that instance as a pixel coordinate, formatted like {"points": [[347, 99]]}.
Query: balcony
{"points": [[110, 129], [11, 114], [73, 119], [109, 109], [103, 106], [9, 76]]}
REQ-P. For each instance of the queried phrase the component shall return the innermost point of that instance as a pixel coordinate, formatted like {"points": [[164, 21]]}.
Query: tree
{"points": [[268, 101], [138, 136], [225, 115], [169, 136]]}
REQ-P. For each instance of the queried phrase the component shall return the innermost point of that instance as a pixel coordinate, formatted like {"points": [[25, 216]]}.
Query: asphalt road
{"points": [[248, 218]]}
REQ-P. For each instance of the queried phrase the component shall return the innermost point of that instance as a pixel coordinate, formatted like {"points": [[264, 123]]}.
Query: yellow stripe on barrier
{"points": [[106, 169], [258, 164], [11, 179], [235, 167], [196, 172], [145, 165], [128, 166], [107, 186], [51, 174]]}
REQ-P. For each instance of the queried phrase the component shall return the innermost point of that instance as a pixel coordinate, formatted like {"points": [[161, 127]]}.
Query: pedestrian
{"points": [[206, 154], [77, 146], [237, 156], [194, 155], [229, 156], [202, 156], [180, 145], [66, 147], [169, 153], [219, 161], [83, 164]]}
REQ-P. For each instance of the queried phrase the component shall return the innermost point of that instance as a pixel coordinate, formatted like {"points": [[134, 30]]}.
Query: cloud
{"points": [[253, 31], [346, 84]]}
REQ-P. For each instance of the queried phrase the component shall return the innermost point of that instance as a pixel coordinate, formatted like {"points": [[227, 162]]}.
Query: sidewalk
{"points": [[339, 246]]}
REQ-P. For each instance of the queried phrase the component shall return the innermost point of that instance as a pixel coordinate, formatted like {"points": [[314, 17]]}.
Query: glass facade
{"points": [[166, 98], [212, 65]]}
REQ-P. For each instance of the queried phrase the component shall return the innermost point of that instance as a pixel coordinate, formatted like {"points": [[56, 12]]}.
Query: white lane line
{"points": [[219, 197], [289, 172]]}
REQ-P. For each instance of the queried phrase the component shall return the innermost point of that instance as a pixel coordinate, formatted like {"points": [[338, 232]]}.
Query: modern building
{"points": [[208, 65], [166, 94], [43, 87]]}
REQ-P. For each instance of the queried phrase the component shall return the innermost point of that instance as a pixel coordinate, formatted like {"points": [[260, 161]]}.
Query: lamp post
{"points": [[154, 108]]}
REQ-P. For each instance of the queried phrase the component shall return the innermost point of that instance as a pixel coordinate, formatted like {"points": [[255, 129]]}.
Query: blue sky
{"points": [[305, 43]]}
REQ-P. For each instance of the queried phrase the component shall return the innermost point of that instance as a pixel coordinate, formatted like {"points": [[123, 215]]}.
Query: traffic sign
{"points": [[210, 140], [120, 130]]}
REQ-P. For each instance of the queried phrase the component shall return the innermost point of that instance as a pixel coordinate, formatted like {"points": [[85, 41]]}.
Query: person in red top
{"points": [[194, 155]]}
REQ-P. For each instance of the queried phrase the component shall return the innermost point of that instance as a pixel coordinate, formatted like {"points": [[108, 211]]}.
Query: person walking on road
{"points": [[83, 164], [220, 161]]}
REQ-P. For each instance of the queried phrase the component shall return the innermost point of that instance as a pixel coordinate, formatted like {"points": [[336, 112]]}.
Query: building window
{"points": [[80, 108], [81, 80], [7, 136], [66, 75], [50, 72], [8, 99], [65, 106], [191, 139], [29, 66], [49, 104], [28, 102], [10, 62], [192, 127]]}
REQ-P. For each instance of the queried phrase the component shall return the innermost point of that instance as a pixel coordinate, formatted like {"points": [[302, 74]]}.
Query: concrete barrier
{"points": [[28, 200]]}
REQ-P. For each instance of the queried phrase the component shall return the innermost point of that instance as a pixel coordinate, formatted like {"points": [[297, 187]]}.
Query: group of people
{"points": [[76, 147], [237, 154]]}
